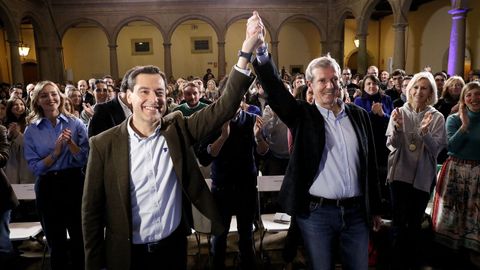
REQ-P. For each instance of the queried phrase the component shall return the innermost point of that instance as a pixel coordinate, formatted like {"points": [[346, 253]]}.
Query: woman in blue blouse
{"points": [[379, 107], [56, 149]]}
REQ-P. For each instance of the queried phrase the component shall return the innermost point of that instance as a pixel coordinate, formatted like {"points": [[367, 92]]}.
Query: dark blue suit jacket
{"points": [[308, 130], [107, 115]]}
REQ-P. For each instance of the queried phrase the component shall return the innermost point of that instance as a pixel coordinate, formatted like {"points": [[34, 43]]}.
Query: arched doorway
{"points": [[30, 72]]}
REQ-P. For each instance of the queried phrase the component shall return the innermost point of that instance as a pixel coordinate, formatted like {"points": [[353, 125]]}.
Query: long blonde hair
{"points": [[36, 111]]}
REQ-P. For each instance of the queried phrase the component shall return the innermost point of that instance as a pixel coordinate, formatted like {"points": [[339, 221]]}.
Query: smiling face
{"points": [[147, 99], [18, 107], [455, 89], [420, 92], [370, 86], [49, 99], [325, 86], [191, 95], [101, 92], [472, 99]]}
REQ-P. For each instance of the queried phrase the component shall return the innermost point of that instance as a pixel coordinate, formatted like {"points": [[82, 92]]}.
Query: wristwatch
{"points": [[245, 55]]}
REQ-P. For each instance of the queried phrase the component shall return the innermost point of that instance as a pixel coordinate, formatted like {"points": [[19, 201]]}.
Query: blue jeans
{"points": [[327, 224], [5, 243]]}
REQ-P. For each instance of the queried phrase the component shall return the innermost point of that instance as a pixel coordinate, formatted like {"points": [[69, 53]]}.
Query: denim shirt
{"points": [[39, 142]]}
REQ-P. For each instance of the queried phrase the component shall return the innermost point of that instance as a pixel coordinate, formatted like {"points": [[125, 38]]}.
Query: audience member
{"points": [[396, 91], [415, 137], [448, 102], [16, 168], [57, 161], [440, 79], [212, 93], [8, 201], [379, 107], [113, 112], [455, 205], [76, 97], [384, 77], [372, 70], [403, 96], [234, 181], [100, 93], [192, 102]]}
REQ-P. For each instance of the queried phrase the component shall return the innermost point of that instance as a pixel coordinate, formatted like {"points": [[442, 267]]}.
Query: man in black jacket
{"points": [[331, 184], [111, 113]]}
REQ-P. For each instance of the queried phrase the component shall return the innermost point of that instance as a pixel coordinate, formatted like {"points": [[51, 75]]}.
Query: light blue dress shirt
{"points": [[337, 176], [155, 193], [39, 142]]}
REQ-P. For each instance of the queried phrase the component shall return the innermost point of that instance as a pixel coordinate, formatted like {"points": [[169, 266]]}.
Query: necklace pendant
{"points": [[412, 147]]}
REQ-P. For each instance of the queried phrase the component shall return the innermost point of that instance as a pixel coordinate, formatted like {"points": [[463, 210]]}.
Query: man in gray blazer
{"points": [[142, 175]]}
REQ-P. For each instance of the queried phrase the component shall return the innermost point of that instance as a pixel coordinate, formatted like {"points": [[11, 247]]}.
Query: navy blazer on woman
{"points": [[308, 129]]}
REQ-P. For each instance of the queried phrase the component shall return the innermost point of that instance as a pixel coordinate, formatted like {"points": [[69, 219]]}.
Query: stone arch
{"points": [[64, 28], [266, 23], [40, 28], [305, 17], [128, 20], [353, 55], [10, 23], [193, 17], [364, 16]]}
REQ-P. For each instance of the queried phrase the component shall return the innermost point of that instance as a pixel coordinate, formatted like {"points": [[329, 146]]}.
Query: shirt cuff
{"points": [[262, 59], [244, 71]]}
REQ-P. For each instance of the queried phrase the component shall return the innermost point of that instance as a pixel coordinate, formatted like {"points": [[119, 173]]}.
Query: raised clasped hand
{"points": [[254, 34]]}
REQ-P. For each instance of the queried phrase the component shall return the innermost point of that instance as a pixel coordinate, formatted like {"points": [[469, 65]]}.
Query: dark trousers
{"points": [[59, 202], [408, 209], [239, 201], [168, 253]]}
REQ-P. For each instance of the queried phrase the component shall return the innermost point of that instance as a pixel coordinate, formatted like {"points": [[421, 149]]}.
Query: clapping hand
{"points": [[257, 129], [426, 121], [377, 108], [397, 119], [462, 113]]}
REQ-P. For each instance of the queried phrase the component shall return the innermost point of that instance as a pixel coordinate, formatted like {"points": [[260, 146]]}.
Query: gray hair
{"points": [[322, 62]]}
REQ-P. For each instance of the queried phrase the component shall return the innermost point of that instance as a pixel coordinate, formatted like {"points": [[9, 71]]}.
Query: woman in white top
{"points": [[415, 135]]}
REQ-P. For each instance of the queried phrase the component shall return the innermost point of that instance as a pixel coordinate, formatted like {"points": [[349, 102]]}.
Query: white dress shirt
{"points": [[155, 193], [337, 176]]}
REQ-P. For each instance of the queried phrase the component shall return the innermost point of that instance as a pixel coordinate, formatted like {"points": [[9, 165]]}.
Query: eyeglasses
{"points": [[347, 74], [101, 90]]}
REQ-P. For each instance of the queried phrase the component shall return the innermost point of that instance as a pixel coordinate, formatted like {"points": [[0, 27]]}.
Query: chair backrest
{"points": [[269, 183], [24, 191]]}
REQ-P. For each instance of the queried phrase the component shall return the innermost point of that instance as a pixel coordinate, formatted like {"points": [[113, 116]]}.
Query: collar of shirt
{"points": [[326, 113], [126, 109], [61, 117], [133, 134]]}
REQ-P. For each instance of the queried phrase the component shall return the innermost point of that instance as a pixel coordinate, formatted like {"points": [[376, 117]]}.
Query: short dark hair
{"points": [[398, 71], [132, 75]]}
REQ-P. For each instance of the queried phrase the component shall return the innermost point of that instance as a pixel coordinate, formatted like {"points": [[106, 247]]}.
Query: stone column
{"points": [[362, 54], [17, 71], [456, 53], [274, 50], [336, 51], [221, 59], [167, 55], [113, 61], [399, 47]]}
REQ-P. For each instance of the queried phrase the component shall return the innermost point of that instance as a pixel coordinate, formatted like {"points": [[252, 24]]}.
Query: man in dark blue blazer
{"points": [[331, 184], [111, 113]]}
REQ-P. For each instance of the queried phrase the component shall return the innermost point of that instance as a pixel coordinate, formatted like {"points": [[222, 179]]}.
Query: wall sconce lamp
{"points": [[23, 48], [356, 42]]}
